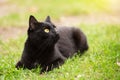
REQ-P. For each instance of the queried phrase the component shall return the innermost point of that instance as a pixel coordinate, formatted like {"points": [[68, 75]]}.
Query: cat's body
{"points": [[49, 46]]}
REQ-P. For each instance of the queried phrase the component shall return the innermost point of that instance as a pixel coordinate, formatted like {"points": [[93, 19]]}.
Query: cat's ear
{"points": [[32, 22], [48, 19]]}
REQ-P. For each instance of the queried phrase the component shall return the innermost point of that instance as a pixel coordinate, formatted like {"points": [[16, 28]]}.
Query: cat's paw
{"points": [[19, 65]]}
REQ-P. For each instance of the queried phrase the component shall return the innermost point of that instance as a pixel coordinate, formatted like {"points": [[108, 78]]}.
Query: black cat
{"points": [[48, 46]]}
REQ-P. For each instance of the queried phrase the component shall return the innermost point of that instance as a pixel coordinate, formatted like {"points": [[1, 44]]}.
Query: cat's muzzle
{"points": [[56, 37]]}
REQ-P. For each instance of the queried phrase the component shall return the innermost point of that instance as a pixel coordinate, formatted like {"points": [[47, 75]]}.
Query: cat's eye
{"points": [[47, 30]]}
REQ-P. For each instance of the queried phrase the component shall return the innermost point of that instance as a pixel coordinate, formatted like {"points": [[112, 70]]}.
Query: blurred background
{"points": [[98, 19], [15, 13]]}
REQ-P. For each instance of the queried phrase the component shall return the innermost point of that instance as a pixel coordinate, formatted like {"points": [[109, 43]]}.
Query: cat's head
{"points": [[42, 31]]}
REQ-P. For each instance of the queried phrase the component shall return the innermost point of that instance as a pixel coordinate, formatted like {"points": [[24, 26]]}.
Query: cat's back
{"points": [[65, 32], [66, 43]]}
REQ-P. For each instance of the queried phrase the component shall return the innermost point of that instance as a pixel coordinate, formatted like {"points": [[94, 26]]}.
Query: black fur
{"points": [[50, 49]]}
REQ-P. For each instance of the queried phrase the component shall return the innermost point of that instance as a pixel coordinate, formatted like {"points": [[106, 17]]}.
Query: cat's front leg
{"points": [[19, 65], [29, 65]]}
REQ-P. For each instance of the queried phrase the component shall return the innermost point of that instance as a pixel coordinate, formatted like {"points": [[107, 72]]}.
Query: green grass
{"points": [[98, 63], [56, 9]]}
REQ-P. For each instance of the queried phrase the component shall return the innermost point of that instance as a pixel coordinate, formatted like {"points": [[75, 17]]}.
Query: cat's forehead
{"points": [[45, 24]]}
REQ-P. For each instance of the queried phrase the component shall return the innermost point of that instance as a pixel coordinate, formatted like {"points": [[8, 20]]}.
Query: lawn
{"points": [[98, 63]]}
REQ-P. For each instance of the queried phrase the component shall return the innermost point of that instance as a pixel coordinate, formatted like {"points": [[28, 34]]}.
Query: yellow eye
{"points": [[47, 30]]}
